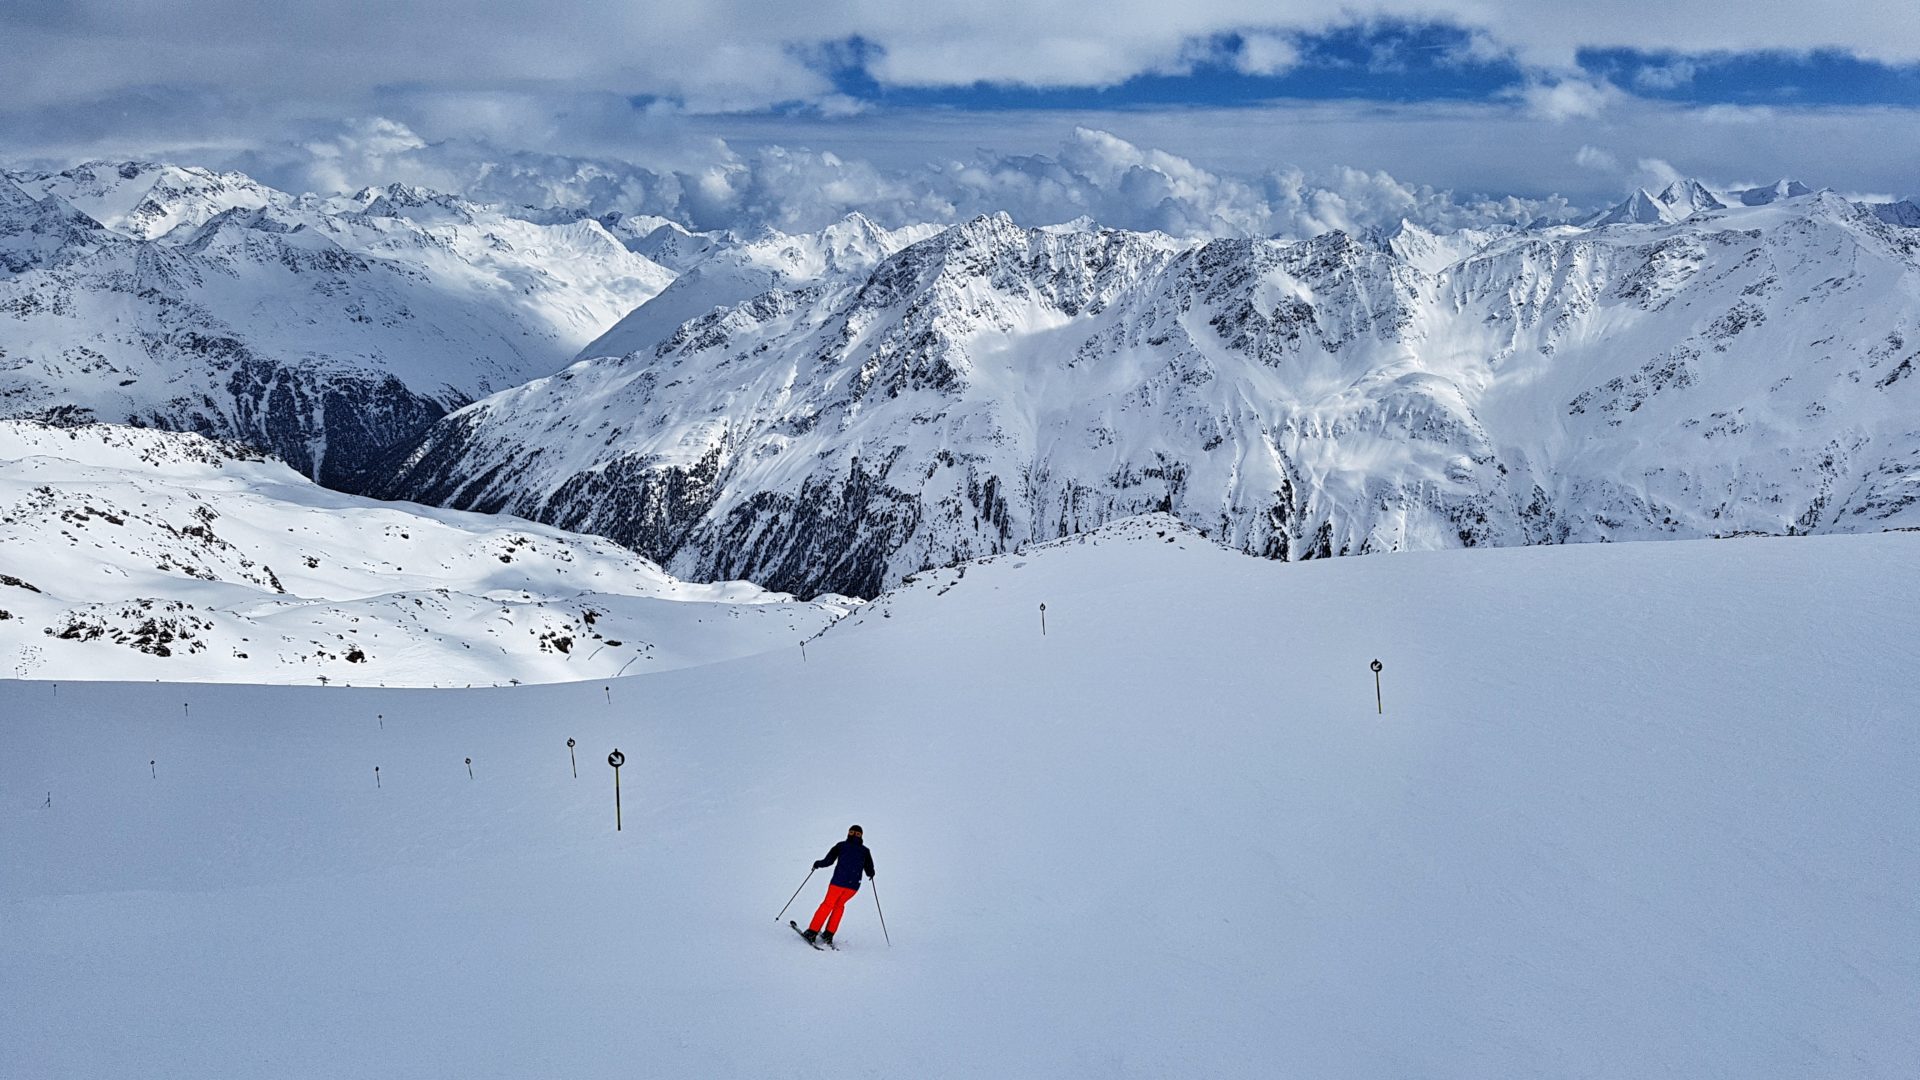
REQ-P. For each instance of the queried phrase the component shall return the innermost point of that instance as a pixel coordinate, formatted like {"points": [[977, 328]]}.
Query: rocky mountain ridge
{"points": [[329, 332], [1744, 368]]}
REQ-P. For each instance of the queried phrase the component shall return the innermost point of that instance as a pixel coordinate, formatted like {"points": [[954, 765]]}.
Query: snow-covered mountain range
{"points": [[831, 412], [140, 554], [1690, 364], [327, 331]]}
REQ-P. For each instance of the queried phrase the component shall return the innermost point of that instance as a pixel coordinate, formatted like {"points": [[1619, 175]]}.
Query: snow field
{"points": [[1632, 810], [135, 554]]}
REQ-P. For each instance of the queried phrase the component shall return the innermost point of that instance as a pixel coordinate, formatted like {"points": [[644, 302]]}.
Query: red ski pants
{"points": [[830, 910]]}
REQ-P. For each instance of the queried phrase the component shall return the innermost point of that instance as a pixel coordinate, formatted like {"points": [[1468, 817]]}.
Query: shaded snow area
{"points": [[135, 554], [1632, 810]]}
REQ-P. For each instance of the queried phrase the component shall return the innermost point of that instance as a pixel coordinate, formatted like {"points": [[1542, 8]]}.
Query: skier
{"points": [[852, 857]]}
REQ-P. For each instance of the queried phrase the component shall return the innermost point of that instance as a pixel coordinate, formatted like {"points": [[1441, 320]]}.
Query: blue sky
{"points": [[1401, 62]]}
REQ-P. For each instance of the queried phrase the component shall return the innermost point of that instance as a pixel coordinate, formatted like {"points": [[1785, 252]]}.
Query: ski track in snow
{"points": [[1632, 810]]}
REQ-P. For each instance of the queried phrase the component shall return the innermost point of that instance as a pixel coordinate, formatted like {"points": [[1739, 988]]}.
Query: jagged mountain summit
{"points": [[1747, 369], [836, 410], [1684, 198], [725, 269], [1639, 208], [150, 201], [329, 332], [1760, 196], [137, 554]]}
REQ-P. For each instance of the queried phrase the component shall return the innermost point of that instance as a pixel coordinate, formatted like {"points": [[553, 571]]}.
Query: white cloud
{"points": [[1736, 114], [1288, 167], [1593, 157], [1266, 54], [1092, 173], [353, 150], [1669, 76], [1569, 98], [1655, 174]]}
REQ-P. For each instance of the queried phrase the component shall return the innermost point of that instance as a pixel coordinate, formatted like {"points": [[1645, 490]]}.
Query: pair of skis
{"points": [[810, 941]]}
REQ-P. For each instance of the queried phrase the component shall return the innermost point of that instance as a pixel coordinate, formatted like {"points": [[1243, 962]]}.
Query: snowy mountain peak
{"points": [[421, 205], [992, 386], [1676, 202], [41, 231], [1761, 196], [1639, 208], [722, 271], [149, 201], [1687, 197], [329, 331], [13, 196], [1905, 213]]}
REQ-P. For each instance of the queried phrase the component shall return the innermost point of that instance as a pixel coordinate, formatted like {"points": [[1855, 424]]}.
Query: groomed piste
{"points": [[1626, 811]]}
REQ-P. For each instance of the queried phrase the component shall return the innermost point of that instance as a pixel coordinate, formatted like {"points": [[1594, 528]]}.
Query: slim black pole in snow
{"points": [[376, 776], [383, 721], [1378, 705], [574, 760], [1043, 633], [609, 691], [188, 713], [803, 652], [469, 768], [796, 894], [616, 759], [883, 915], [153, 770]]}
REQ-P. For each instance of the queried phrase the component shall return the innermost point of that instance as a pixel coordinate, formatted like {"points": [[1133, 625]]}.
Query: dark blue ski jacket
{"points": [[852, 857]]}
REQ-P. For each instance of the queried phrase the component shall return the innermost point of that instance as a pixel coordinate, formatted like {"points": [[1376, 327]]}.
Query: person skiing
{"points": [[848, 858]]}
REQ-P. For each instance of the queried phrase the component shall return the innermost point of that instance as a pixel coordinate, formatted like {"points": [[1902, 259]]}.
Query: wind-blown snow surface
{"points": [[1724, 369], [129, 553], [1633, 810]]}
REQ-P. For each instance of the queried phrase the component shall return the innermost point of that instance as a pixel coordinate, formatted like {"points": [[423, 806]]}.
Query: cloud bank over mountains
{"points": [[1092, 174], [1219, 117]]}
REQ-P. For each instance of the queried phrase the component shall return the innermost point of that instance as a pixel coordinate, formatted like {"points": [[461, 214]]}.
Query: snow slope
{"points": [[1746, 369], [1632, 810], [133, 553]]}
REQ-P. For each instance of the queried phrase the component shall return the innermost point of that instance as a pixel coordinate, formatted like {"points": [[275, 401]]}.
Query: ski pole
{"points": [[796, 895], [883, 914]]}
